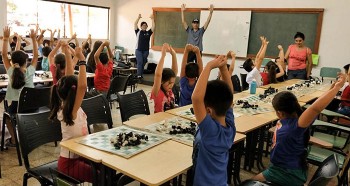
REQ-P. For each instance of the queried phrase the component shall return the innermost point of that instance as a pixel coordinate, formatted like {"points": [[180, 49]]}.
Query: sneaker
{"points": [[8, 143]]}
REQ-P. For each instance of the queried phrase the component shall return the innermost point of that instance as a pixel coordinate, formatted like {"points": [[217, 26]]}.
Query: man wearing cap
{"points": [[195, 34]]}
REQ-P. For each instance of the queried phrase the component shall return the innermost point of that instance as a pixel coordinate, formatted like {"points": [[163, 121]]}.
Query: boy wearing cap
{"points": [[195, 34]]}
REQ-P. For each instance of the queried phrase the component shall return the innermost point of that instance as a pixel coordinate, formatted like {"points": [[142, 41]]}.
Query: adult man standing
{"points": [[195, 34]]}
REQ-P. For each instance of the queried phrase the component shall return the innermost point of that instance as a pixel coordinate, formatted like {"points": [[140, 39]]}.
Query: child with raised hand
{"points": [[164, 80], [288, 156], [19, 76], [189, 74], [57, 63], [231, 66], [272, 70], [253, 67], [86, 46], [104, 68], [212, 103], [66, 98]]}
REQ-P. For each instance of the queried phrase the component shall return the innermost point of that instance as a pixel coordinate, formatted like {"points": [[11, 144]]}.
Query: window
{"points": [[68, 18]]}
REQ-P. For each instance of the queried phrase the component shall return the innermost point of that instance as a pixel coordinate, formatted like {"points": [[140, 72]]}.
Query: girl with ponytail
{"points": [[289, 151], [273, 70], [19, 76], [66, 98]]}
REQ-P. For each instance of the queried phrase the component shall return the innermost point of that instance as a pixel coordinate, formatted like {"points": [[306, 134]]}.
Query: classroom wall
{"points": [[335, 36]]}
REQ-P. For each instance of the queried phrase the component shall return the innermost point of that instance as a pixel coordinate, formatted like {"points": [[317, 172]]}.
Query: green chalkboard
{"points": [[280, 28], [169, 28]]}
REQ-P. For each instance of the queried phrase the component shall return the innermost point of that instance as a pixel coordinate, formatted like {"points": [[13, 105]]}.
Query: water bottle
{"points": [[253, 87]]}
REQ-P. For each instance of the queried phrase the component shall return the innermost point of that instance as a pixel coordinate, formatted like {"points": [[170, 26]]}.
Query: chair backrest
{"points": [[236, 84], [325, 172], [329, 72], [97, 111], [34, 130], [245, 85], [118, 84], [32, 99], [2, 69], [133, 104]]}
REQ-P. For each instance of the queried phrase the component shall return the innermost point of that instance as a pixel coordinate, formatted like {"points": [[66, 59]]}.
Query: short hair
{"points": [[103, 58], [218, 96], [72, 45], [46, 51], [299, 34], [192, 70], [143, 22], [346, 67], [247, 65]]}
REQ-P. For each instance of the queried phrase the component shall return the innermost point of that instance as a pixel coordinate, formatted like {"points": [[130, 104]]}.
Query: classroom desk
{"points": [[178, 110], [144, 121], [154, 166], [282, 84]]}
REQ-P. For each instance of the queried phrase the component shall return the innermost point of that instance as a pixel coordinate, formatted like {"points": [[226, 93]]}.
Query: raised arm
{"points": [[26, 41], [153, 23], [86, 42], [188, 48], [173, 60], [159, 70], [259, 59], [137, 22], [211, 9], [6, 38], [281, 57], [316, 108], [201, 86], [109, 51], [232, 65], [51, 38], [18, 43], [309, 65], [196, 50], [98, 52], [82, 82], [54, 52], [68, 56], [183, 8], [33, 34], [41, 36]]}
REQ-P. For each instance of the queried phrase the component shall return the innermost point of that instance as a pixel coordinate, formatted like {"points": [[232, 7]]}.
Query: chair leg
{"points": [[17, 143], [3, 132], [26, 176]]}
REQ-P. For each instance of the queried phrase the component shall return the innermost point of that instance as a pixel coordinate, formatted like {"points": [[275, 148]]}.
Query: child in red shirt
{"points": [[104, 68]]}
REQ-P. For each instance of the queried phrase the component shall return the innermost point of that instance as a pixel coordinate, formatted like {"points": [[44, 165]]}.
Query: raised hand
{"points": [[74, 36], [171, 50], [79, 53], [211, 8], [231, 53], [165, 48], [280, 47], [106, 43], [195, 49], [7, 31], [33, 33], [183, 7], [139, 16], [218, 62], [341, 80]]}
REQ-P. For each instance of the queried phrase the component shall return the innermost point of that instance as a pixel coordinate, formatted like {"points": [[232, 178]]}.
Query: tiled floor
{"points": [[12, 174]]}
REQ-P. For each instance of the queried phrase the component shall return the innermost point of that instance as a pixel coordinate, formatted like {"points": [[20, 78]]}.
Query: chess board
{"points": [[252, 99], [101, 141], [187, 114], [249, 111], [164, 127]]}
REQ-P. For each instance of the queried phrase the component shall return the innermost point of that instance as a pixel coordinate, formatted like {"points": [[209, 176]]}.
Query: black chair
{"points": [[253, 183], [97, 111], [60, 179], [35, 130], [328, 170], [245, 85], [236, 84], [2, 69], [133, 104], [118, 84], [31, 100]]}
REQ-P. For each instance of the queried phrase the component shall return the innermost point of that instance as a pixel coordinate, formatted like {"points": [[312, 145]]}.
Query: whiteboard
{"points": [[227, 30]]}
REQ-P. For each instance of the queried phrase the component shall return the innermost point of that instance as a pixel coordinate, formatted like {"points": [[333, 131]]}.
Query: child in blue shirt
{"points": [[189, 74], [212, 103], [288, 156], [45, 61]]}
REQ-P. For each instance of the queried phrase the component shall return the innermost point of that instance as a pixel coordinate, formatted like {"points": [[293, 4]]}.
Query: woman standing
{"points": [[299, 58], [142, 45]]}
